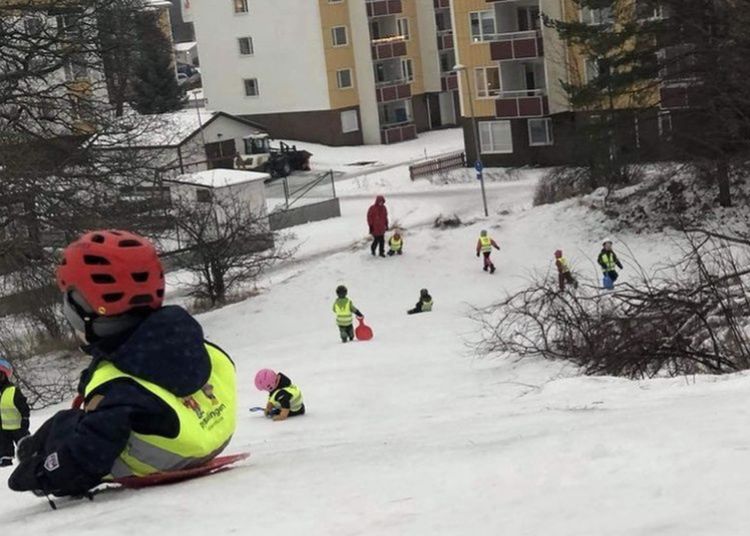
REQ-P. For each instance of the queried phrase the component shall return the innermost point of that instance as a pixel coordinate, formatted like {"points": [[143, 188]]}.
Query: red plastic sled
{"points": [[220, 463], [363, 332]]}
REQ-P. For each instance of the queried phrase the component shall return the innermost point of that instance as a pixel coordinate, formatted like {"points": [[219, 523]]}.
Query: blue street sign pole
{"points": [[478, 166]]}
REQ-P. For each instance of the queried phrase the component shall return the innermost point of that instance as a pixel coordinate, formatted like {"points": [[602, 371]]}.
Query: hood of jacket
{"points": [[380, 200], [166, 348]]}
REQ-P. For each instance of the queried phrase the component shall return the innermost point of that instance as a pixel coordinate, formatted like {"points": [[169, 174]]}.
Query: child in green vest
{"points": [[484, 247], [424, 304], [344, 309], [14, 415], [284, 399], [396, 244]]}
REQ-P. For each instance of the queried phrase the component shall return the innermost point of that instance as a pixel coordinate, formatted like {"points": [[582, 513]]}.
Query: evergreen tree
{"points": [[155, 87]]}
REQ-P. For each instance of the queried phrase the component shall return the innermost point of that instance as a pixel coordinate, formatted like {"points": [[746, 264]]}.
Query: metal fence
{"points": [[301, 198], [444, 163]]}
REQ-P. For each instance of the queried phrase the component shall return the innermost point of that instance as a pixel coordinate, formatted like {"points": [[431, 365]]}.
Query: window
{"points": [[495, 137], [240, 6], [447, 61], [75, 68], [648, 10], [443, 21], [528, 19], [407, 70], [375, 30], [487, 82], [403, 28], [339, 36], [482, 25], [540, 132], [665, 125], [602, 15], [203, 195], [251, 87], [591, 70], [246, 46], [349, 121], [677, 62], [344, 78]]}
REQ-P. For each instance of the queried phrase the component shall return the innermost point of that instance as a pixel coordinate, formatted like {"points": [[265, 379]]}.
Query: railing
{"points": [[444, 163], [396, 82], [513, 93], [388, 39]]}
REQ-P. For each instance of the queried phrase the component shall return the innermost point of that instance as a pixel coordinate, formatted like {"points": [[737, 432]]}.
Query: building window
{"points": [[646, 10], [540, 132], [591, 70], [447, 61], [664, 122], [240, 6], [349, 121], [407, 70], [339, 36], [403, 28], [203, 195], [602, 15], [482, 25], [75, 68], [344, 78], [246, 46], [443, 21], [495, 137], [487, 82], [251, 87]]}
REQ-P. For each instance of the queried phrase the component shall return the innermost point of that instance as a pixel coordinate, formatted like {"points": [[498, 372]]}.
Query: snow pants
{"points": [[346, 333], [378, 242], [487, 261], [566, 278], [8, 440]]}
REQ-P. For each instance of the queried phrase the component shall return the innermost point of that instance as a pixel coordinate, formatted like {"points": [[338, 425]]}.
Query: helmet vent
{"points": [[95, 260], [140, 277], [129, 243], [141, 299], [102, 279], [113, 297], [99, 239], [160, 292]]}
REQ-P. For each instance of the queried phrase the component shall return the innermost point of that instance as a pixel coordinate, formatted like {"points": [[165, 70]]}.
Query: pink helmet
{"points": [[265, 380]]}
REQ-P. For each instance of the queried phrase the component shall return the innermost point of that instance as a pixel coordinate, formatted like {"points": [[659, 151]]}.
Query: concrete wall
{"points": [[305, 214]]}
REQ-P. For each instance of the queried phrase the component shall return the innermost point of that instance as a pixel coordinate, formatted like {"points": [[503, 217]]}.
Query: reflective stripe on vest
{"points": [[295, 404], [396, 244], [207, 420], [10, 417], [486, 243], [609, 261], [564, 265], [344, 316], [427, 305]]}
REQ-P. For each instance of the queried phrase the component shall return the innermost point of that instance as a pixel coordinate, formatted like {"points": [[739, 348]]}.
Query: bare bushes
{"points": [[689, 317]]}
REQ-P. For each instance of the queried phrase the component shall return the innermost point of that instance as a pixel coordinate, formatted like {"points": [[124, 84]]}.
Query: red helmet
{"points": [[114, 272]]}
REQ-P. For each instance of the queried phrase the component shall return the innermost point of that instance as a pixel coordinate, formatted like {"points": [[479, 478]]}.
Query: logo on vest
{"points": [[208, 390], [191, 403], [52, 462], [213, 417]]}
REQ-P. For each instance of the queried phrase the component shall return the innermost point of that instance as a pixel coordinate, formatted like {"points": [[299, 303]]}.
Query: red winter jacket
{"points": [[377, 217]]}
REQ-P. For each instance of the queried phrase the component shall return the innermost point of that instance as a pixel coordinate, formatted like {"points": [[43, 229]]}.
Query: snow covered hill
{"points": [[408, 434]]}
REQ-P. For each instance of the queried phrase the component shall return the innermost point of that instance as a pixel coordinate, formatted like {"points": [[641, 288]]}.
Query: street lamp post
{"points": [[475, 134]]}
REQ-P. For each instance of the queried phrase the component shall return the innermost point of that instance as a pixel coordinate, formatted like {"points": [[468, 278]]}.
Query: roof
{"points": [[220, 178], [164, 130], [184, 47]]}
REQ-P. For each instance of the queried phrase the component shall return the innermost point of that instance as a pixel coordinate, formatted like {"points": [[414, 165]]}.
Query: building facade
{"points": [[341, 72]]}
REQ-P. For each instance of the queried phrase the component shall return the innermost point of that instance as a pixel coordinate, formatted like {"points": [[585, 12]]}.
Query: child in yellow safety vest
{"points": [[14, 415], [424, 305], [396, 244], [284, 398], [484, 247], [345, 311], [564, 275]]}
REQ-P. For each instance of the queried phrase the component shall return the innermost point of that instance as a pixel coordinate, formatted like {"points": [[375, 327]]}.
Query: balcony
{"points": [[516, 46], [445, 39], [378, 8], [449, 81], [388, 47], [521, 103], [397, 133], [392, 90], [441, 4]]}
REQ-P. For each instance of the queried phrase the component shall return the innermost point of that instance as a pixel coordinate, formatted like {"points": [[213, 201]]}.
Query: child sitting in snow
{"points": [[284, 399], [395, 244], [564, 275], [424, 304], [344, 309]]}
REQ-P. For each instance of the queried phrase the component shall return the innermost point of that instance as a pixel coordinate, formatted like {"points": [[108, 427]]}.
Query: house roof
{"points": [[219, 178], [184, 47]]}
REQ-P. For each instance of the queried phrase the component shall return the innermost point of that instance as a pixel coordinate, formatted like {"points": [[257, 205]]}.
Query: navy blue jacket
{"points": [[74, 449]]}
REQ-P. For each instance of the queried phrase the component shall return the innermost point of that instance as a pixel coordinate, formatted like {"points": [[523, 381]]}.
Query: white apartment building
{"points": [[341, 72]]}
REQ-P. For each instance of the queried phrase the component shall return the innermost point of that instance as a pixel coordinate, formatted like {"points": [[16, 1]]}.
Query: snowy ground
{"points": [[408, 434]]}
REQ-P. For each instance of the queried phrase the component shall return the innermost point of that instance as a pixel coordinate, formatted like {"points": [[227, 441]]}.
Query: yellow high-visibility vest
{"points": [[207, 420], [609, 261], [427, 306], [10, 417], [486, 243], [296, 402], [344, 315], [396, 244], [564, 264]]}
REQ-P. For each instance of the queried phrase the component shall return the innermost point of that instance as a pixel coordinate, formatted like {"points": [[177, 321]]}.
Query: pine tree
{"points": [[155, 87]]}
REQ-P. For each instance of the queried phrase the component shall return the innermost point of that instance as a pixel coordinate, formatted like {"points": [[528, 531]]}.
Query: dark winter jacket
{"points": [[377, 217], [166, 348], [606, 258], [19, 401], [420, 304]]}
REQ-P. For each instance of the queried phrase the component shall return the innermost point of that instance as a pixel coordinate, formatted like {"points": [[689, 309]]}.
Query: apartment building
{"points": [[341, 72], [512, 83]]}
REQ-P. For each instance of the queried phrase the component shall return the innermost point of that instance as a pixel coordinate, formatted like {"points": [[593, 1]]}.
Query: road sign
{"points": [[478, 166]]}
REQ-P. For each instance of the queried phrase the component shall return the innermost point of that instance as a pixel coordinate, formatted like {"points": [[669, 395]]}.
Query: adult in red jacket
{"points": [[377, 220]]}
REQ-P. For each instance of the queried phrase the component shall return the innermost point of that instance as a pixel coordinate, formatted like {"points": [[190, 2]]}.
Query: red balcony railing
{"points": [[449, 81], [445, 40], [441, 4], [522, 103], [516, 46], [395, 134], [378, 8], [388, 47], [391, 91]]}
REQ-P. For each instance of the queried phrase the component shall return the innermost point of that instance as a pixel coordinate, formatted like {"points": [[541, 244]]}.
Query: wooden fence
{"points": [[444, 163]]}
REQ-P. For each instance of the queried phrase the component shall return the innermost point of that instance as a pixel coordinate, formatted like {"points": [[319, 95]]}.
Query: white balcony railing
{"points": [[507, 36], [513, 93]]}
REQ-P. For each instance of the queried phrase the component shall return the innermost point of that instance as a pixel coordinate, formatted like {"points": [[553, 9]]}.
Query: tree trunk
{"points": [[722, 180]]}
